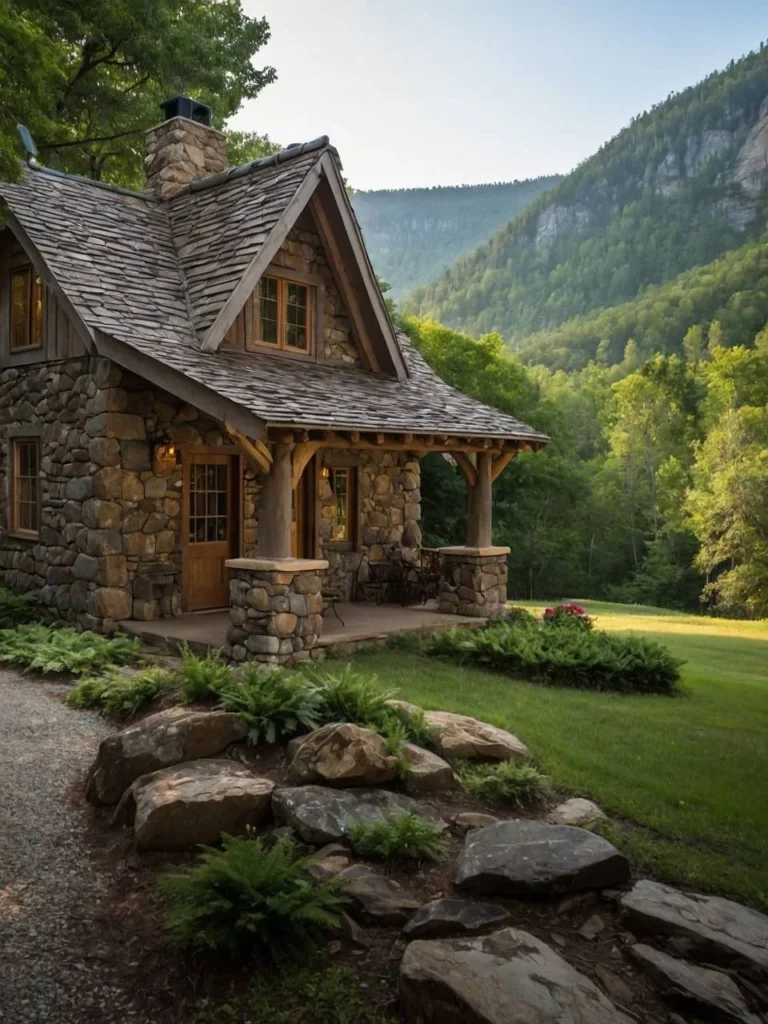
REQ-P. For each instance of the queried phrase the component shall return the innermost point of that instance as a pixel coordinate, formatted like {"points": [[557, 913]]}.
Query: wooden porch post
{"points": [[479, 504], [276, 506]]}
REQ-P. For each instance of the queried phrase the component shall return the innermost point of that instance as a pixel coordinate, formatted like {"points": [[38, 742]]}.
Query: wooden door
{"points": [[210, 529], [303, 520]]}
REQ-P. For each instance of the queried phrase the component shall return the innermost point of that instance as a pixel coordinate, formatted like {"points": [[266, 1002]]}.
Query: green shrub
{"points": [[18, 609], [565, 656], [519, 616], [202, 677], [118, 694], [400, 837], [244, 898], [50, 649], [568, 615], [506, 782], [275, 703]]}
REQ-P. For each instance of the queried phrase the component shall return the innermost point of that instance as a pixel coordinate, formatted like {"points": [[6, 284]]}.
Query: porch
{"points": [[356, 623]]}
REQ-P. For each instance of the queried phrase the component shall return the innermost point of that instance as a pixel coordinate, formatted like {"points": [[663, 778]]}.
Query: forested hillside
{"points": [[683, 184], [654, 488], [414, 234]]}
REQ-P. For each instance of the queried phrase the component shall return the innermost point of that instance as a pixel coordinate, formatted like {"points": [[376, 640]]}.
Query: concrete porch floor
{"points": [[358, 623]]}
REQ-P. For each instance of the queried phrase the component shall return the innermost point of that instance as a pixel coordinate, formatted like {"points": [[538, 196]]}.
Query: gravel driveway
{"points": [[50, 888]]}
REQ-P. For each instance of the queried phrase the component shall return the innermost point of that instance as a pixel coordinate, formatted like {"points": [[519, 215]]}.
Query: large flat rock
{"points": [[508, 977], [321, 815], [716, 930], [454, 917], [533, 858], [181, 807], [158, 741], [693, 988], [342, 754], [376, 899], [462, 736]]}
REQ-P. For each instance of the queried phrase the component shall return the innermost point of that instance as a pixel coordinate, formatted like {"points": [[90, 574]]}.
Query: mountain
{"points": [[731, 291], [684, 183], [414, 234]]}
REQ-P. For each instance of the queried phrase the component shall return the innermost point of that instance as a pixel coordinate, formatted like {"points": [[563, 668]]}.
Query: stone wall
{"points": [[276, 613], [474, 581], [389, 510], [179, 151]]}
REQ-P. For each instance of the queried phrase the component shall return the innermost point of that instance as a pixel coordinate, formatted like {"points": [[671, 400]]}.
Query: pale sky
{"points": [[443, 92]]}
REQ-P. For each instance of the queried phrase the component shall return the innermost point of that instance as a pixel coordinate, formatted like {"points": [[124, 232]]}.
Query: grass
{"points": [[686, 777]]}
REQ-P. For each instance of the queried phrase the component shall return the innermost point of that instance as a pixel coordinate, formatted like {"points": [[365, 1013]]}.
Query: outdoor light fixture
{"points": [[325, 473], [165, 455]]}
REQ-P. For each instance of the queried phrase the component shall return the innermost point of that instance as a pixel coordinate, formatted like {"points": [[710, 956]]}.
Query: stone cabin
{"points": [[204, 402]]}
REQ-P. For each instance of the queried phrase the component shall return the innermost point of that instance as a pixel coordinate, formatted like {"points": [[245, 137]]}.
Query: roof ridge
{"points": [[68, 176], [273, 160]]}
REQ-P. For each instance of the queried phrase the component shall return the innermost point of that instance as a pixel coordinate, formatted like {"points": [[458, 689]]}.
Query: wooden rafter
{"points": [[467, 466], [256, 451], [302, 453], [501, 462]]}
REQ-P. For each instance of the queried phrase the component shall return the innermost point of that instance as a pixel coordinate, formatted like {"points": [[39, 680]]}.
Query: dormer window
{"points": [[26, 309], [284, 314]]}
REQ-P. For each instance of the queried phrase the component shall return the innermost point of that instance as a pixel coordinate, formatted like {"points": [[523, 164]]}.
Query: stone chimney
{"points": [[183, 148]]}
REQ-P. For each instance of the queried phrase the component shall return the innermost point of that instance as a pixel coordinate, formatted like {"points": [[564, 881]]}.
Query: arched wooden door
{"points": [[303, 522]]}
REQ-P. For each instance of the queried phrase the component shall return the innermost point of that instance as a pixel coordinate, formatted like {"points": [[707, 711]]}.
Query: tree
{"points": [[88, 77]]}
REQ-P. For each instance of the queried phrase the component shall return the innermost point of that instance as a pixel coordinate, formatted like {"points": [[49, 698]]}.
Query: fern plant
{"points": [[506, 782], [18, 609], [245, 897], [350, 696], [404, 837], [49, 649], [275, 704], [202, 677], [119, 694]]}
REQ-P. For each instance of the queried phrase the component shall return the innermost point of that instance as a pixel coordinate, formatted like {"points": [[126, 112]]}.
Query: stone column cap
{"points": [[278, 564], [474, 552]]}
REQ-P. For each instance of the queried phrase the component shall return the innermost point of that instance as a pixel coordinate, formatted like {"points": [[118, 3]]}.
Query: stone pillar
{"points": [[479, 506], [276, 506], [473, 581], [275, 609], [181, 150]]}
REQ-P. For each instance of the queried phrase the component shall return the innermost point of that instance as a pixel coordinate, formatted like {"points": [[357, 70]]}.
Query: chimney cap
{"points": [[184, 106]]}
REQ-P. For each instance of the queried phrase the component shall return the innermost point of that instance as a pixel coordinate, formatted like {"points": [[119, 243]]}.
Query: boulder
{"points": [[328, 862], [576, 811], [375, 898], [468, 820], [508, 977], [453, 917], [426, 771], [320, 815], [532, 858], [714, 929], [461, 736], [694, 988], [342, 754], [181, 807], [158, 741]]}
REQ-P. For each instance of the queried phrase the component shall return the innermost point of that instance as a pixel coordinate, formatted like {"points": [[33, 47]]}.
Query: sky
{"points": [[449, 92]]}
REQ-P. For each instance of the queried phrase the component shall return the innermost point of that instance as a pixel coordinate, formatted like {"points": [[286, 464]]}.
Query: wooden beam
{"points": [[256, 451], [501, 462], [479, 507], [302, 453], [466, 466]]}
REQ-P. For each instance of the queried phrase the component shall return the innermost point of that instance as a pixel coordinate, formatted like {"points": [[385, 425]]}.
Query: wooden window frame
{"points": [[14, 488], [281, 345], [33, 342]]}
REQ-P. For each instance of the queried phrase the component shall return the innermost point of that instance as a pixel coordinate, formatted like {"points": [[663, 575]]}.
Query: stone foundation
{"points": [[276, 609], [473, 581]]}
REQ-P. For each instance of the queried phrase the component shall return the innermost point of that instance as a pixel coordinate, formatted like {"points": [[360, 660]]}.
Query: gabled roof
{"points": [[155, 284]]}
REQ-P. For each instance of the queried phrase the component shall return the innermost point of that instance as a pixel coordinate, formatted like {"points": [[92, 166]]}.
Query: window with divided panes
{"points": [[284, 314], [25, 487], [208, 503]]}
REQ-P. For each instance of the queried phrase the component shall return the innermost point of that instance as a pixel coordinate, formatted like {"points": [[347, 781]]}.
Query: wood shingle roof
{"points": [[156, 274]]}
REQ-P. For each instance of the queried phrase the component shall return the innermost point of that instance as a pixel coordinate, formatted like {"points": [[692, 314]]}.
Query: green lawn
{"points": [[685, 777]]}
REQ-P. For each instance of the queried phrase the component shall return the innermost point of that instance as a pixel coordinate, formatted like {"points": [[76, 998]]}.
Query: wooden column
{"points": [[276, 506], [479, 504]]}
